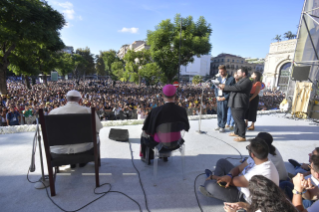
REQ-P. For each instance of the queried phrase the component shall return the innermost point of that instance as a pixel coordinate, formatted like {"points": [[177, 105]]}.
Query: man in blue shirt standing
{"points": [[13, 117], [222, 98]]}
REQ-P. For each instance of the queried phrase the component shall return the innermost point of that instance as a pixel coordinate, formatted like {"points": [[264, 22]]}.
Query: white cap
{"points": [[74, 93]]}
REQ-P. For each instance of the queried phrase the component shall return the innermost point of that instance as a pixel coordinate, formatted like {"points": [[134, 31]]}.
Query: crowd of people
{"points": [[259, 184], [121, 101]]}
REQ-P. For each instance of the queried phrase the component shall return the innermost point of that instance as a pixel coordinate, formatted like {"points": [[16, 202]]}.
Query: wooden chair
{"points": [[69, 129]]}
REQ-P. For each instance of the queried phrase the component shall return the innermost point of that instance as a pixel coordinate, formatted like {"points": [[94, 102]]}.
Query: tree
{"points": [[277, 38], [109, 57], [118, 72], [197, 79], [24, 23], [134, 61], [87, 67], [68, 63], [100, 66], [289, 35], [165, 43], [152, 73]]}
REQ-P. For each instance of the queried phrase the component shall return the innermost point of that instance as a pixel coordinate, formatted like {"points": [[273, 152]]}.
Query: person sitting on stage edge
{"points": [[230, 184], [167, 113], [304, 167], [74, 98], [275, 156], [239, 102], [265, 196], [222, 98]]}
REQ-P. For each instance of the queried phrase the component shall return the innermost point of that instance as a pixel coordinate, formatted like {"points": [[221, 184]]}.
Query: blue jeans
{"points": [[298, 169], [230, 119], [222, 113], [287, 187]]}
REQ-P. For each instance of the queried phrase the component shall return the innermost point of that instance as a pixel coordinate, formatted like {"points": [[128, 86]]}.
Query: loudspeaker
{"points": [[301, 73], [119, 134]]}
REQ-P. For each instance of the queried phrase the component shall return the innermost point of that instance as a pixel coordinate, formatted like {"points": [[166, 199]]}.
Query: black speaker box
{"points": [[119, 134], [301, 73]]}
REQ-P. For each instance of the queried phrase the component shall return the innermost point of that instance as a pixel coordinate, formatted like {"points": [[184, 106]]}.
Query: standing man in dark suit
{"points": [[222, 98], [239, 102]]}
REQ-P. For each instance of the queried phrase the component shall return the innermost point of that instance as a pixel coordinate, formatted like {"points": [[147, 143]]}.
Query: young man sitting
{"points": [[230, 183]]}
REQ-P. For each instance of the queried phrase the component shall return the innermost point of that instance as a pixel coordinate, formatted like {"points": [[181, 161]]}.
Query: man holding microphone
{"points": [[222, 98]]}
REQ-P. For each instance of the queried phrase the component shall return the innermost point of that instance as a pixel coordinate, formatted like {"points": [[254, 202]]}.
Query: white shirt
{"points": [[266, 169], [280, 165], [71, 108]]}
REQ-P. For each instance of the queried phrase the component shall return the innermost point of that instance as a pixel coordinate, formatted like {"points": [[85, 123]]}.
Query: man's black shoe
{"points": [[83, 164], [73, 166], [294, 163], [165, 159]]}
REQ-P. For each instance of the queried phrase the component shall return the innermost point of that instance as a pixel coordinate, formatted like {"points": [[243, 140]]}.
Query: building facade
{"points": [[135, 46], [278, 63], [234, 62], [200, 66]]}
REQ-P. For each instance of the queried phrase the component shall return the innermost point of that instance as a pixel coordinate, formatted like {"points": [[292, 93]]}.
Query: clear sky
{"points": [[240, 27]]}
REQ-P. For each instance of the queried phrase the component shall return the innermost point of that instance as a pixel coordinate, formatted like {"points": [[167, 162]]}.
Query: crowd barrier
{"points": [[32, 127]]}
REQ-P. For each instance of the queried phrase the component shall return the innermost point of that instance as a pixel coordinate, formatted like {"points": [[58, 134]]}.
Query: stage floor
{"points": [[294, 139]]}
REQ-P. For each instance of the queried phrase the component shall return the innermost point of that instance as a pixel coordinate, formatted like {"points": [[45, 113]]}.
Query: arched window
{"points": [[283, 77]]}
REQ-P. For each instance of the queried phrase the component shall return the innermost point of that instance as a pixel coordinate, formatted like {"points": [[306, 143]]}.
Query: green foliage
{"points": [[278, 38], [289, 35], [87, 67], [165, 43], [118, 71], [68, 63], [100, 66], [134, 61], [197, 79], [109, 57], [152, 73], [28, 27]]}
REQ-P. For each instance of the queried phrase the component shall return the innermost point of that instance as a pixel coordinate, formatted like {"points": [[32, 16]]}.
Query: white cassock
{"points": [[71, 108]]}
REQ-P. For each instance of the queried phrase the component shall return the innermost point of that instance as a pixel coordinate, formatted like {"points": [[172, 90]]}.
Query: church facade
{"points": [[278, 63]]}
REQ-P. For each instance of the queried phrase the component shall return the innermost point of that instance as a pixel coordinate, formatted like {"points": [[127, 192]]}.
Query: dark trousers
{"points": [[239, 118], [230, 194], [147, 141], [222, 113]]}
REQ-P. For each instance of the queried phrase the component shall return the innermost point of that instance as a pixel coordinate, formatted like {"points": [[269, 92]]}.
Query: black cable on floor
{"points": [[241, 158], [195, 191], [139, 177], [103, 194]]}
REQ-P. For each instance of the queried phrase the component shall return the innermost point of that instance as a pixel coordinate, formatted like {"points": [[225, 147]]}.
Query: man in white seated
{"points": [[230, 184], [73, 107], [284, 105]]}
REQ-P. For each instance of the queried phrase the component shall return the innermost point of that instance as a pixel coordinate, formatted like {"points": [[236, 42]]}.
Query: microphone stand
{"points": [[200, 111], [43, 181]]}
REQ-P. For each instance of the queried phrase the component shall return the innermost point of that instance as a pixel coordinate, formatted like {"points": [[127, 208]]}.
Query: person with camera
{"points": [[230, 184], [265, 196]]}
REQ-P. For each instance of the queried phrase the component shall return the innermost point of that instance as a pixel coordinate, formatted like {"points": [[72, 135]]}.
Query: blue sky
{"points": [[244, 28]]}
